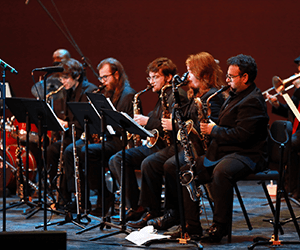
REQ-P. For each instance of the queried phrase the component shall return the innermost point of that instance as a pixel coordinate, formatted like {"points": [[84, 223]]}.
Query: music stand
{"points": [[20, 112], [41, 114], [91, 121], [124, 122]]}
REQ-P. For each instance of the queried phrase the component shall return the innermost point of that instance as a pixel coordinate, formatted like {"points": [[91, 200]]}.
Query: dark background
{"points": [[137, 31]]}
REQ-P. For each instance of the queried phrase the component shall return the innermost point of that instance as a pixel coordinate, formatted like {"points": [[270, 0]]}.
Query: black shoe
{"points": [[216, 232], [108, 204], [194, 233], [142, 222], [134, 215], [166, 221]]}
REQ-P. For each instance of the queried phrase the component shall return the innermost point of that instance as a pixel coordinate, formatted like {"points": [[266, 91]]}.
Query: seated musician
{"points": [[117, 88], [293, 171], [204, 79], [238, 146], [160, 73], [75, 88]]}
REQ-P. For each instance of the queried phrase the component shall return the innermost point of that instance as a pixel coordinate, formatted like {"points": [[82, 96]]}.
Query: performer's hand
{"points": [[166, 123], [272, 100], [206, 128], [141, 119], [63, 123]]}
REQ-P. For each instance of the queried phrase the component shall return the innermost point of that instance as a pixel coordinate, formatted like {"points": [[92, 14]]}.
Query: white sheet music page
{"points": [[144, 235]]}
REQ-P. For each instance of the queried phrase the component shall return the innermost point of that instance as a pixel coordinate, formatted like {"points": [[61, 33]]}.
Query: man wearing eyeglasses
{"points": [[117, 88], [238, 144], [148, 203]]}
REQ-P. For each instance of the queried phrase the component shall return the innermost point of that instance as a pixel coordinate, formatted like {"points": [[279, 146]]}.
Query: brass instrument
{"points": [[151, 141], [54, 92], [187, 175], [136, 111], [166, 113], [76, 171], [281, 86]]}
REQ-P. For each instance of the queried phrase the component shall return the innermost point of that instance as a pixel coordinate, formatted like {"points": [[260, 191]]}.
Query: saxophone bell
{"points": [[187, 180]]}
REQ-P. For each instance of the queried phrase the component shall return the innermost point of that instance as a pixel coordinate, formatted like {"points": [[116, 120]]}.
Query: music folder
{"points": [[116, 118]]}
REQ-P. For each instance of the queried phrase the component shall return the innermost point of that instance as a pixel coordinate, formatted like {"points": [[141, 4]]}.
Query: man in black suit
{"points": [[293, 171], [75, 88], [238, 144]]}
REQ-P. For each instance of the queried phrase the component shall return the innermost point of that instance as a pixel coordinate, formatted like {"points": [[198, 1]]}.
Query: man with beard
{"points": [[117, 88]]}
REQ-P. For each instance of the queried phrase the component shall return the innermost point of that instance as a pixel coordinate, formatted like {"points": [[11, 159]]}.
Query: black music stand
{"points": [[41, 114], [125, 123], [91, 121], [19, 110]]}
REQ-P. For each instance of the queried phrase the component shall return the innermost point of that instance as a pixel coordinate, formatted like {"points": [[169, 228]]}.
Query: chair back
{"points": [[280, 133]]}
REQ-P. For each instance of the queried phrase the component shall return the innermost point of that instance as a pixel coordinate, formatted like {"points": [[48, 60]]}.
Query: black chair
{"points": [[279, 144]]}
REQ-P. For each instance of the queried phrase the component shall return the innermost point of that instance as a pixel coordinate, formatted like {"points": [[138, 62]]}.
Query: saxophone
{"points": [[204, 112], [136, 111], [76, 171], [187, 174], [166, 113], [54, 92]]}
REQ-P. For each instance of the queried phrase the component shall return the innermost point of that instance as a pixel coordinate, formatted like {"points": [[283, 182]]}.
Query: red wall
{"points": [[136, 32]]}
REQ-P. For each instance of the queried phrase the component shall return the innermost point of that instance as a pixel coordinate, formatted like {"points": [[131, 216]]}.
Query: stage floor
{"points": [[242, 238]]}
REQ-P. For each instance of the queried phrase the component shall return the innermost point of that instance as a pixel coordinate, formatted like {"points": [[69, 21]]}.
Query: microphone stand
{"points": [[4, 147], [184, 239]]}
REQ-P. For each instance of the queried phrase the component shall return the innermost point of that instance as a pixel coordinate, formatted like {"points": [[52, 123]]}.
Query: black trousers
{"points": [[223, 176], [133, 161]]}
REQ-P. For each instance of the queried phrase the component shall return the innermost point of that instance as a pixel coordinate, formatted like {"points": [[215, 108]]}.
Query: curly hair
{"points": [[246, 64]]}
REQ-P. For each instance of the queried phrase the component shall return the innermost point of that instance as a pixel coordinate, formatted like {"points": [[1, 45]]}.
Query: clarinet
{"points": [[59, 169], [76, 171]]}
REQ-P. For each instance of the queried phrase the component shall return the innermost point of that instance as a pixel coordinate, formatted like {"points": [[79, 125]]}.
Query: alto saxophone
{"points": [[136, 111], [166, 113], [204, 112], [76, 171], [54, 92]]}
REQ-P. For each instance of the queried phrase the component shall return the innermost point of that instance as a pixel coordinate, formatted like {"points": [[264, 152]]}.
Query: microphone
{"points": [[50, 69], [5, 65], [179, 79]]}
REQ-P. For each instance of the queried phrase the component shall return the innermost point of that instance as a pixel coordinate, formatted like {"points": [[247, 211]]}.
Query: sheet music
{"points": [[138, 125], [292, 106], [110, 103], [62, 127], [144, 235]]}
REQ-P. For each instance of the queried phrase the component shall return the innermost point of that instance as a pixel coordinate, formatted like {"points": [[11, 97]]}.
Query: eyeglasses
{"points": [[231, 76], [101, 78], [154, 78]]}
